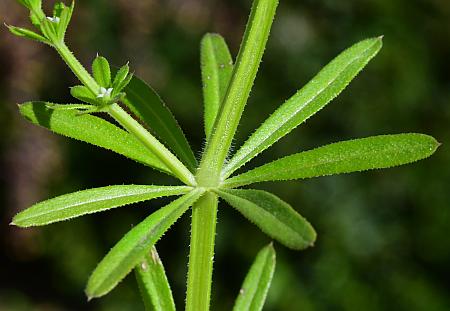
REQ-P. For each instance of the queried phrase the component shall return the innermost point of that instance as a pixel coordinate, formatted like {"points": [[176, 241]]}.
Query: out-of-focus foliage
{"points": [[381, 235]]}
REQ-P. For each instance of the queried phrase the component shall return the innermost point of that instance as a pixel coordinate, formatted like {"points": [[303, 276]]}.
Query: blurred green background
{"points": [[383, 239]]}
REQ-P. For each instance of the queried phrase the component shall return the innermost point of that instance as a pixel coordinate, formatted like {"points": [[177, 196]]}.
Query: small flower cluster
{"points": [[99, 94], [110, 89], [52, 28]]}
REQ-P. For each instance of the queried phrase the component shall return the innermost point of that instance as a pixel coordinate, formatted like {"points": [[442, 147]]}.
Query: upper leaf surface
{"points": [[244, 74], [91, 201], [153, 284], [343, 157], [130, 250], [90, 129], [145, 103], [272, 215], [325, 86], [101, 71], [257, 282], [217, 68]]}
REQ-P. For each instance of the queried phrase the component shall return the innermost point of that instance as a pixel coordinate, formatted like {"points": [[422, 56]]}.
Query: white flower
{"points": [[104, 92], [53, 19]]}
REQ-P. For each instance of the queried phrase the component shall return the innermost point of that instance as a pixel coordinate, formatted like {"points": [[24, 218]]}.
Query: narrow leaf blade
{"points": [[91, 201], [315, 95], [273, 216], [343, 157], [128, 252], [101, 71], [90, 129], [22, 32], [120, 77], [244, 74], [217, 68], [146, 104], [153, 284], [257, 282]]}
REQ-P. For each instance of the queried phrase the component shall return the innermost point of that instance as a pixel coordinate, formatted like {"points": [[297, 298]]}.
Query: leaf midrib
{"points": [[92, 202], [315, 165]]}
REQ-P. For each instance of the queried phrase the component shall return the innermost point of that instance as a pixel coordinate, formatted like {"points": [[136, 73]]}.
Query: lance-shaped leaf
{"points": [[84, 94], [324, 87], [272, 215], [217, 67], [101, 71], [257, 282], [343, 157], [153, 284], [23, 32], [121, 79], [65, 16], [90, 129], [149, 107], [244, 74], [130, 250], [91, 201]]}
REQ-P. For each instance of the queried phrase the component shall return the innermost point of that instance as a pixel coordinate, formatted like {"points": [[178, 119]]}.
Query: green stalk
{"points": [[124, 119], [77, 68], [201, 257], [152, 144], [204, 214]]}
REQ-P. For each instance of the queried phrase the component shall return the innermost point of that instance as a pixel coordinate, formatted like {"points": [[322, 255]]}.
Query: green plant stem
{"points": [[77, 68], [124, 119], [168, 158], [201, 257]]}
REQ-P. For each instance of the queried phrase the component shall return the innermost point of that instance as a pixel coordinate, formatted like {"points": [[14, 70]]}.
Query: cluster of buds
{"points": [[52, 28], [110, 89]]}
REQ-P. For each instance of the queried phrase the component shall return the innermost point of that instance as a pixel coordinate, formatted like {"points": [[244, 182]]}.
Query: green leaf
{"points": [[273, 216], [244, 73], [58, 8], [22, 32], [84, 94], [91, 201], [48, 29], [217, 68], [31, 4], [257, 282], [343, 157], [101, 71], [122, 78], [35, 7], [129, 251], [323, 88], [143, 101], [153, 284], [90, 129], [65, 15], [35, 20]]}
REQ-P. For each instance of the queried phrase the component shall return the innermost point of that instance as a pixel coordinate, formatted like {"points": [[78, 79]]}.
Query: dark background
{"points": [[383, 236]]}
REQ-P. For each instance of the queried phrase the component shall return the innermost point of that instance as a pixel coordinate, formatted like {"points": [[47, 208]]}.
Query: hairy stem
{"points": [[167, 157], [124, 119], [201, 257]]}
